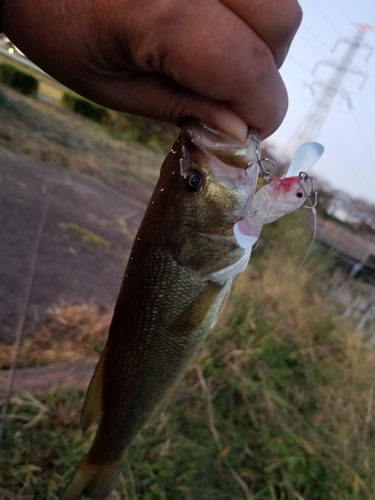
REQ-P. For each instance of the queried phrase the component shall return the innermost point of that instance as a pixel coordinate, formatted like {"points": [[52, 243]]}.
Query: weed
{"points": [[85, 234], [279, 405], [72, 334], [83, 107], [3, 99], [56, 135], [19, 80]]}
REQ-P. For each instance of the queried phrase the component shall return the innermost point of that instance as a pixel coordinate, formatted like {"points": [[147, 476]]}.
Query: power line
{"points": [[299, 63], [340, 11], [372, 87], [325, 17], [361, 168], [368, 13], [317, 114], [347, 157], [312, 44], [290, 74], [370, 119]]}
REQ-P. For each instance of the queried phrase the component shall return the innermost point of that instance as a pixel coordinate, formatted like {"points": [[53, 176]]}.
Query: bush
{"points": [[84, 107], [3, 100], [13, 77], [154, 134]]}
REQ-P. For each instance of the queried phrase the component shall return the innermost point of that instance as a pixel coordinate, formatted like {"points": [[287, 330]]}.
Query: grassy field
{"points": [[279, 404], [50, 133], [48, 87]]}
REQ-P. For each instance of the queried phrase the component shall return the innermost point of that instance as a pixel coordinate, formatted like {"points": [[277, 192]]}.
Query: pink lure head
{"points": [[286, 195]]}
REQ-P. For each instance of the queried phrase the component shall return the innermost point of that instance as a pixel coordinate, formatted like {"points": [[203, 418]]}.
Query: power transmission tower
{"points": [[314, 120]]}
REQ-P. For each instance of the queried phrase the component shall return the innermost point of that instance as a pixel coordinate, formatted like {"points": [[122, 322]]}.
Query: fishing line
{"points": [[25, 306], [311, 206], [234, 329]]}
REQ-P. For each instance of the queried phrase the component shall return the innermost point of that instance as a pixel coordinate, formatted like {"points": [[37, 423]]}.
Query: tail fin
{"points": [[93, 481]]}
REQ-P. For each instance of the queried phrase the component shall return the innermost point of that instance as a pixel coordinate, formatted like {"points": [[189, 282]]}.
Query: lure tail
{"points": [[93, 481]]}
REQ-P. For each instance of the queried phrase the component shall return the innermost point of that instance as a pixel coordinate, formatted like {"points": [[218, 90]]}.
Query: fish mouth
{"points": [[229, 162], [227, 149]]}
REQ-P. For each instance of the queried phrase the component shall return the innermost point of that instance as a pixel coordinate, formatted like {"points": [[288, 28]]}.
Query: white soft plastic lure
{"points": [[280, 196]]}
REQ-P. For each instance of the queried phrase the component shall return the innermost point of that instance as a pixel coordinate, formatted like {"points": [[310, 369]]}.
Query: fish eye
{"points": [[299, 194], [194, 182]]}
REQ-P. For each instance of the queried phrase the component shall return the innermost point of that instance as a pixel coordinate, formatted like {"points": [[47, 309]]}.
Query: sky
{"points": [[348, 133]]}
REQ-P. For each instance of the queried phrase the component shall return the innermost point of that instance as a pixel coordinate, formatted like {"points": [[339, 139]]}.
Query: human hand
{"points": [[166, 59]]}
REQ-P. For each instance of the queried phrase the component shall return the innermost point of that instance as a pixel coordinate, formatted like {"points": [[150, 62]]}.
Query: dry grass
{"points": [[50, 91], [280, 403], [85, 234], [72, 334], [313, 374], [53, 134]]}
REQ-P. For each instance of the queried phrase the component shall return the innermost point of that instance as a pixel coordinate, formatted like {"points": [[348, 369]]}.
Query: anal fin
{"points": [[93, 401]]}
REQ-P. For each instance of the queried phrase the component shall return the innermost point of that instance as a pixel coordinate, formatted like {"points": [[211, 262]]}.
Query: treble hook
{"points": [[304, 178], [266, 174]]}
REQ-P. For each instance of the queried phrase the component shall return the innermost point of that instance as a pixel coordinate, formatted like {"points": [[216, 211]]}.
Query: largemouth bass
{"points": [[180, 270]]}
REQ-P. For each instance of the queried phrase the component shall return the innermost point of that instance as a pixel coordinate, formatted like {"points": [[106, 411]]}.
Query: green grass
{"points": [[279, 405], [85, 235], [51, 91], [155, 136], [48, 87], [55, 135]]}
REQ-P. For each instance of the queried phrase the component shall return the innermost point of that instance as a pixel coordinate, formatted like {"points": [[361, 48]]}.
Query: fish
{"points": [[178, 277]]}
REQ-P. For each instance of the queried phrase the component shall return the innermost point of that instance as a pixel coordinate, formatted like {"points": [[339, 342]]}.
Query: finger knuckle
{"points": [[258, 66], [177, 108], [149, 31], [292, 17]]}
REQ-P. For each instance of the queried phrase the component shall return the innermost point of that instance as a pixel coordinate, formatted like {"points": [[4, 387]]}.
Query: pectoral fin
{"points": [[247, 231], [93, 401], [231, 271]]}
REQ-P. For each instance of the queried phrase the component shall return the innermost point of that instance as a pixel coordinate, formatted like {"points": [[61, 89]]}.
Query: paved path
{"points": [[68, 269], [40, 380]]}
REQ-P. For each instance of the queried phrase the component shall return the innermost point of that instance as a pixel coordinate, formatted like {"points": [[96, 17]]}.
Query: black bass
{"points": [[179, 273]]}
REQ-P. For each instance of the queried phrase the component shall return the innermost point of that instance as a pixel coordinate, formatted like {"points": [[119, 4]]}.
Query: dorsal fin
{"points": [[93, 401]]}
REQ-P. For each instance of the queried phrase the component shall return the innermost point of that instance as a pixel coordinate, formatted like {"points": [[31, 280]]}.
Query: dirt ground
{"points": [[45, 213]]}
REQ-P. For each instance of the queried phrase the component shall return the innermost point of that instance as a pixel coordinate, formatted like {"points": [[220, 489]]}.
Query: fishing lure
{"points": [[280, 196]]}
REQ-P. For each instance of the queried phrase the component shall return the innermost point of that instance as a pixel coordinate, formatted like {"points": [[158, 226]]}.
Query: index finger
{"points": [[220, 57], [274, 21]]}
